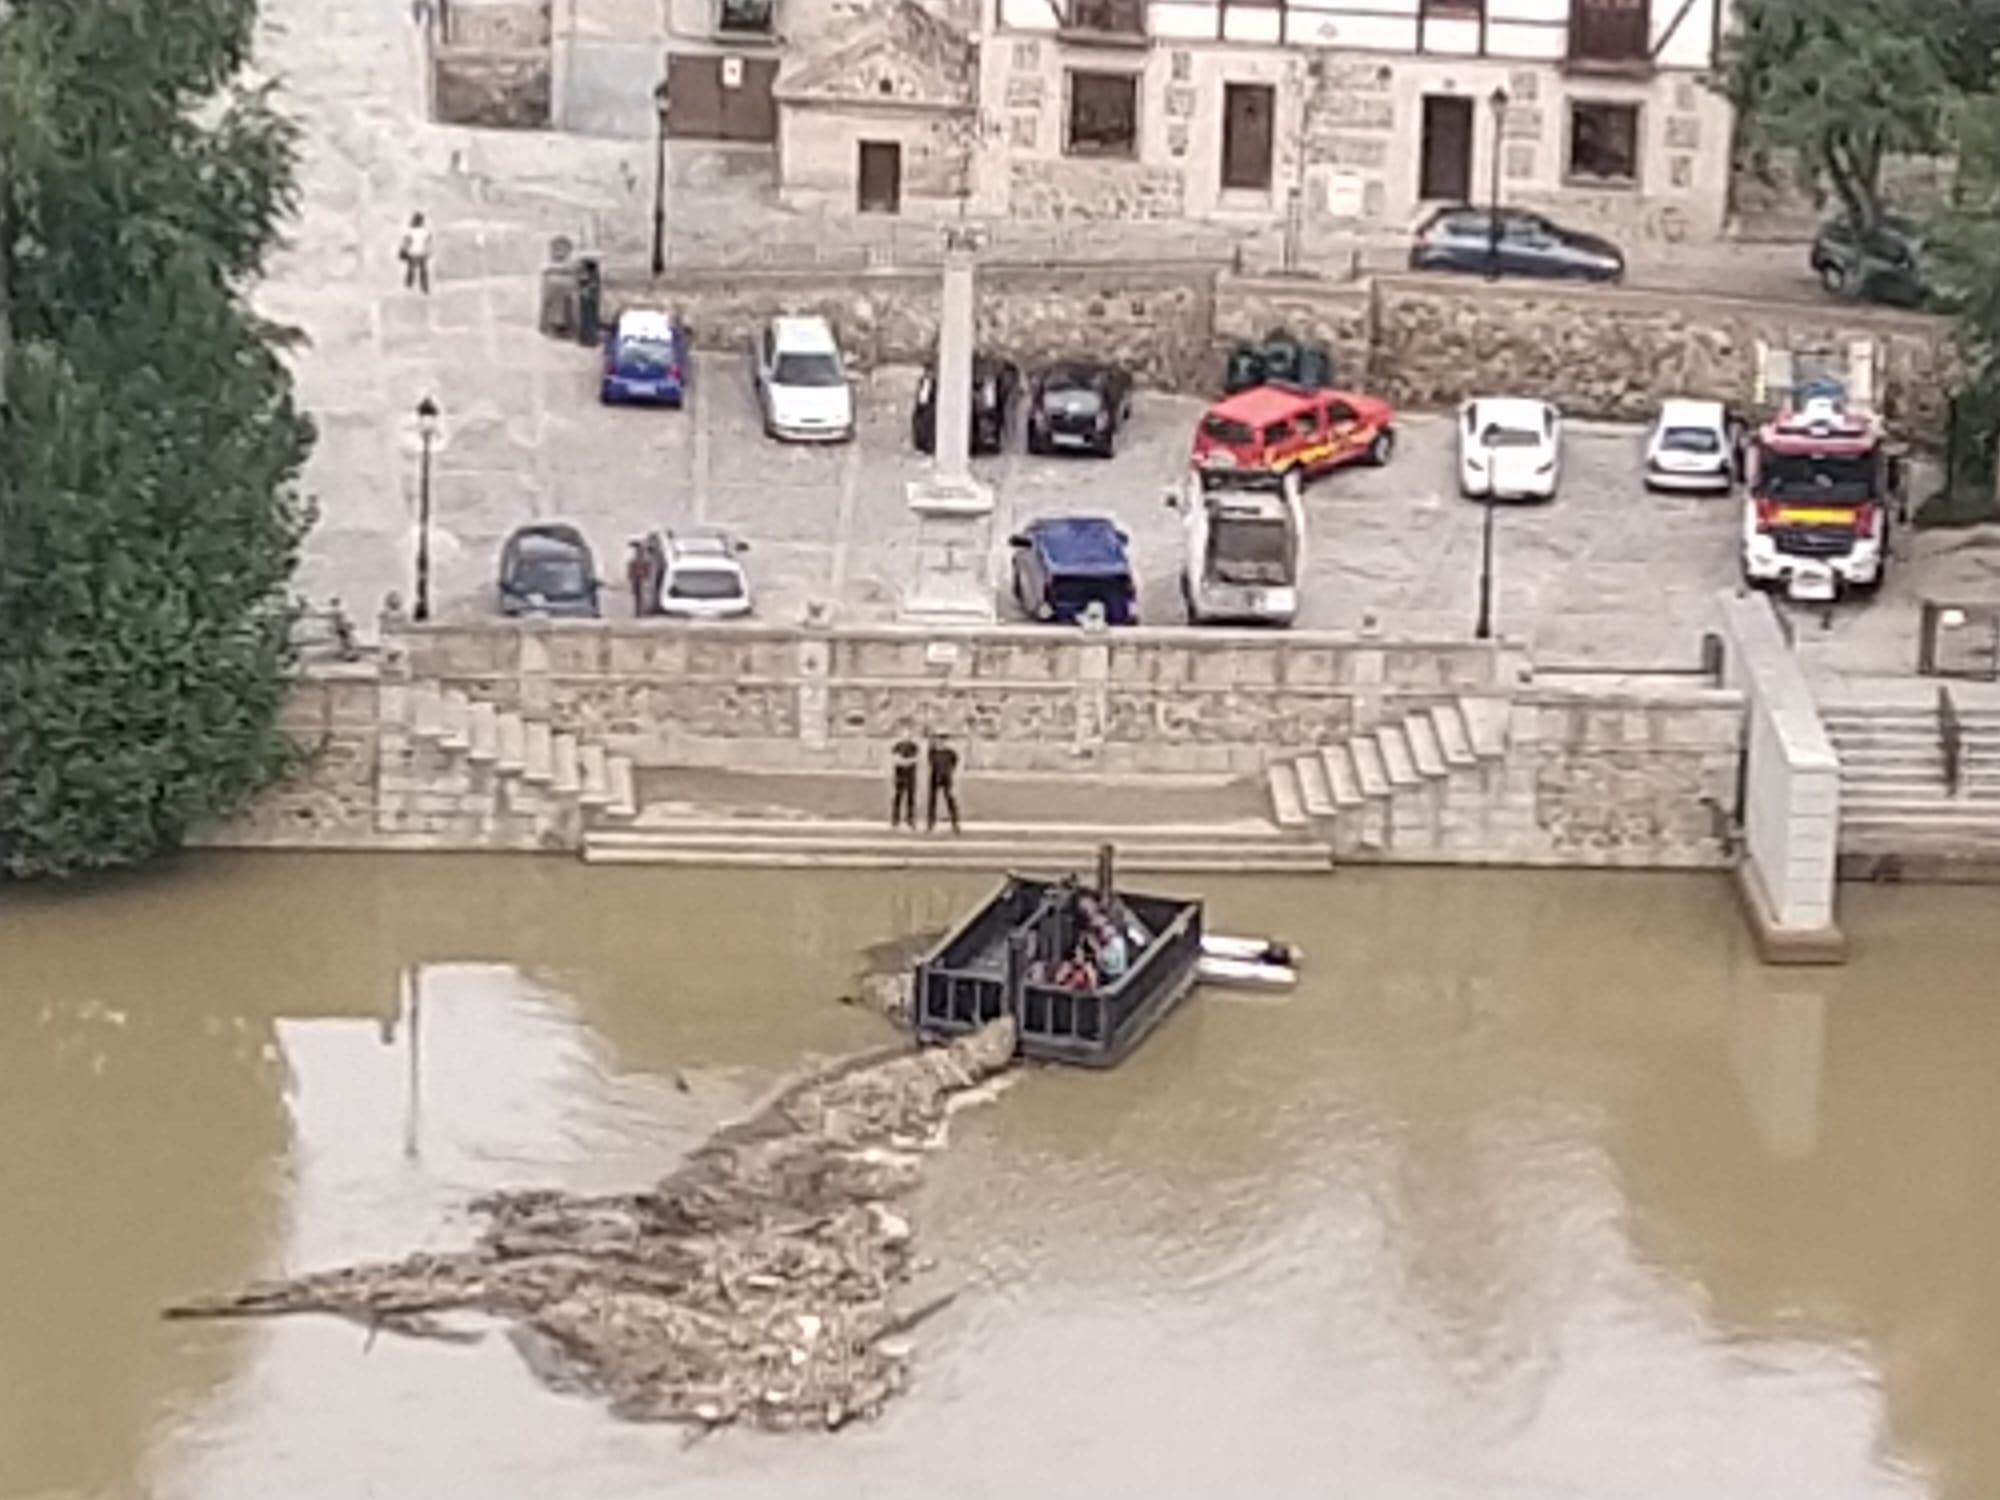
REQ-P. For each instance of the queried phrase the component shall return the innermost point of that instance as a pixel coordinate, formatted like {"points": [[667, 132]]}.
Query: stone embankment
{"points": [[756, 1283]]}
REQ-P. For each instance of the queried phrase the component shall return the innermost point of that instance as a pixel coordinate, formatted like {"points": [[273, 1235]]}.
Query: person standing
{"points": [[639, 573], [415, 253], [903, 782], [944, 782]]}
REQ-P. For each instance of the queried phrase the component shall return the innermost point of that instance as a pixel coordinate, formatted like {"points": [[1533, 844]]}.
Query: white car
{"points": [[802, 382], [699, 576], [1509, 448], [1690, 448]]}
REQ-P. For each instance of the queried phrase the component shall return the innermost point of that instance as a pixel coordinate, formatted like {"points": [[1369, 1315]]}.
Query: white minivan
{"points": [[1246, 551], [802, 382]]}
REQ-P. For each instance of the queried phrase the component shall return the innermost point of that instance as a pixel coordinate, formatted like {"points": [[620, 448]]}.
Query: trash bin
{"points": [[589, 300], [559, 310]]}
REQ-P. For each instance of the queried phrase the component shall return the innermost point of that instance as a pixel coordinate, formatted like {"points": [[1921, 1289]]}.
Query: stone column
{"points": [[954, 512]]}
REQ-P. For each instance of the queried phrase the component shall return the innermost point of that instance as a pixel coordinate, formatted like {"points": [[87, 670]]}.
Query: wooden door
{"points": [[1246, 136], [721, 98], [879, 182], [1447, 149]]}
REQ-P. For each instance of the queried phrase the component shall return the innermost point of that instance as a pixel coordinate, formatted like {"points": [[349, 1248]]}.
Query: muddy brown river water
{"points": [[1537, 1187]]}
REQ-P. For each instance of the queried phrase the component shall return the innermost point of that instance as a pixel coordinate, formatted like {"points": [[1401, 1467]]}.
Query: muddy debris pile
{"points": [[756, 1283]]}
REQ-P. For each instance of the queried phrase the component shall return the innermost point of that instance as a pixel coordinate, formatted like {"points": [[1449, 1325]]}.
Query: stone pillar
{"points": [[954, 512]]}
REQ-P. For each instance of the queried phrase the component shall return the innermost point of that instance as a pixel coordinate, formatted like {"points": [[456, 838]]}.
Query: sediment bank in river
{"points": [[755, 1283]]}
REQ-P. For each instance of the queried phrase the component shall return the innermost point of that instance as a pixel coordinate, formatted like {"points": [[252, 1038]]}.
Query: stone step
{"points": [[483, 731], [567, 775], [1486, 725], [424, 707], [457, 720], [513, 744], [1453, 745], [1425, 750], [538, 752], [618, 777], [1313, 790], [596, 774], [1921, 814], [1286, 805], [674, 821], [1051, 848], [1368, 770], [955, 854], [1341, 780], [1397, 762]]}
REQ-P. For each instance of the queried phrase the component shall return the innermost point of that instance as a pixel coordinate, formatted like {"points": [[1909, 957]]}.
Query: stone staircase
{"points": [[1415, 788], [468, 773], [1895, 809], [1239, 846]]}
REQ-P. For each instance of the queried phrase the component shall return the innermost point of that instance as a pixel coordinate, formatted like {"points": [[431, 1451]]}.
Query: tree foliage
{"points": [[148, 518], [1841, 84]]}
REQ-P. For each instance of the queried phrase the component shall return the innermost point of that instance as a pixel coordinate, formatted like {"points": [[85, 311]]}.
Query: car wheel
{"points": [[1834, 278], [1383, 448], [1020, 597]]}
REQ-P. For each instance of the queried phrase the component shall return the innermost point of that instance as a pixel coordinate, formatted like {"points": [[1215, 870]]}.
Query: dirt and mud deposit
{"points": [[757, 1283]]}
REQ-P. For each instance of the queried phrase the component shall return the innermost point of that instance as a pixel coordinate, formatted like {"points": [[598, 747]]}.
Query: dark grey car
{"points": [[1885, 267], [547, 569], [1462, 239]]}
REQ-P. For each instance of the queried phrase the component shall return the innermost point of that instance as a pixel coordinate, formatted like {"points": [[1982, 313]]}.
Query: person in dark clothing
{"points": [[639, 573], [903, 776], [944, 781]]}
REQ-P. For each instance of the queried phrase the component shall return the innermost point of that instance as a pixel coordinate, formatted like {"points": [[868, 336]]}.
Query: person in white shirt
{"points": [[415, 253]]}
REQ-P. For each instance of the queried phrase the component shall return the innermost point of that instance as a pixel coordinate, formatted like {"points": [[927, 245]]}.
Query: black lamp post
{"points": [[1498, 99], [427, 425], [660, 177], [1482, 629]]}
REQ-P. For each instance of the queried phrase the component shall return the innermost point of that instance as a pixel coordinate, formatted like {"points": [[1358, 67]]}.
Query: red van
{"points": [[1271, 430]]}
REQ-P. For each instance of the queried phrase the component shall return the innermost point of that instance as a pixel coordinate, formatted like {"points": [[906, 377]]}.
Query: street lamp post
{"points": [[427, 424], [1482, 629], [660, 177], [1498, 99]]}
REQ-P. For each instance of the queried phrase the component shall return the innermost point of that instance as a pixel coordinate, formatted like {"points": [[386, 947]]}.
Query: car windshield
{"points": [[1816, 478], [552, 577], [704, 583], [1496, 436], [817, 370], [1071, 397], [1251, 549], [1691, 440], [644, 356], [1223, 430]]}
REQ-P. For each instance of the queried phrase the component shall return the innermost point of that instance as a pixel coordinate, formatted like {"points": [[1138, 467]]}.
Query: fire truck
{"points": [[1818, 491]]}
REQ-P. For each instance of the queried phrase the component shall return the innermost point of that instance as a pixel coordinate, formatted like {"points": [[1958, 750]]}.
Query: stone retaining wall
{"points": [[1420, 341]]}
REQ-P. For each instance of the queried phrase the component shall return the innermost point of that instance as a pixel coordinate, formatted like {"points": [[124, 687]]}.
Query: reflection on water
{"points": [[1537, 1186]]}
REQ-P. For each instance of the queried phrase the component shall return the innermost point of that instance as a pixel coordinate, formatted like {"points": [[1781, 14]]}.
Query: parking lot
{"points": [[1607, 574]]}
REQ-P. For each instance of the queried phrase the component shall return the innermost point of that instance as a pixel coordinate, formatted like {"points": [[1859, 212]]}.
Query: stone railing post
{"points": [[815, 659]]}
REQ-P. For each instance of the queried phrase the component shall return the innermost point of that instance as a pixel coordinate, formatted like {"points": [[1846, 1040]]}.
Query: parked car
{"points": [[996, 387], [1509, 448], [1885, 267], [1273, 430], [1078, 405], [699, 577], [802, 382], [1692, 447], [547, 569], [645, 359], [1278, 359], [1065, 564], [1461, 239]]}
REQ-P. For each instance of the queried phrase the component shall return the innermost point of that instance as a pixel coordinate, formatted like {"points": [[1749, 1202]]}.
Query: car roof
{"points": [[1080, 544], [1262, 403], [1683, 411], [803, 335], [1508, 410], [704, 544], [645, 323], [1258, 504]]}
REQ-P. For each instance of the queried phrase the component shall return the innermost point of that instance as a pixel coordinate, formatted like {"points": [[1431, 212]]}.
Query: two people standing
{"points": [[942, 759]]}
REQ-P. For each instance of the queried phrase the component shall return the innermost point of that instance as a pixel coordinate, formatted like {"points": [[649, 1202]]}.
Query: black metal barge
{"points": [[999, 962]]}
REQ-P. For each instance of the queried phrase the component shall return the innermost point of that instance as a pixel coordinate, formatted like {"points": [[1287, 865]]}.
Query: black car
{"points": [[1278, 359], [1462, 239], [1078, 405], [996, 386], [547, 569], [1885, 266]]}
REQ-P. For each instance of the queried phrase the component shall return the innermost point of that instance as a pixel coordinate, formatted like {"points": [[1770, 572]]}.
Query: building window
{"points": [[1453, 10], [1103, 114], [743, 15], [1108, 17], [1604, 143]]}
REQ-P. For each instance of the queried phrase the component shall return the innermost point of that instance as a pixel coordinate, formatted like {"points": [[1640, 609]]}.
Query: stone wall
{"points": [[333, 715], [1341, 315], [1079, 188], [492, 65]]}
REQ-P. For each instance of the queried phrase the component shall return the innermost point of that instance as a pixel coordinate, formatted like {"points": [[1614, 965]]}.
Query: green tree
{"points": [[149, 521], [1839, 85], [1963, 253]]}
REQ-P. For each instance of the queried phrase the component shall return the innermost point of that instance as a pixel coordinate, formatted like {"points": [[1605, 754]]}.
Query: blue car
{"points": [[645, 360], [1065, 564]]}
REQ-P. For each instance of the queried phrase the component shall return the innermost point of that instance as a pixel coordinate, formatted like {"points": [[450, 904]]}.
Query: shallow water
{"points": [[1539, 1186]]}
